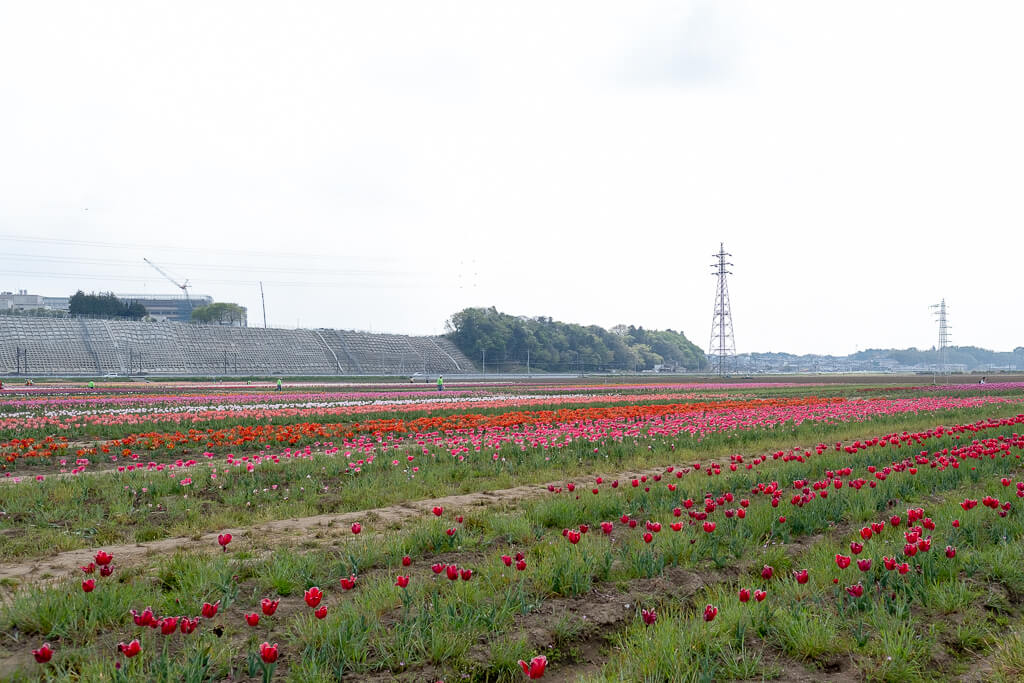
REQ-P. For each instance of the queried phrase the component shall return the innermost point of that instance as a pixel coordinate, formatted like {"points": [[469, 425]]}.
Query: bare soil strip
{"points": [[283, 532]]}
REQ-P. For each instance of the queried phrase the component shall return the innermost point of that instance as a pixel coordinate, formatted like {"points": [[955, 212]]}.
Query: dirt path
{"points": [[284, 532]]}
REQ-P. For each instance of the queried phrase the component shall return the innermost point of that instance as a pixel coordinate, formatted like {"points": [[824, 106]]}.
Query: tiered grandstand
{"points": [[69, 347]]}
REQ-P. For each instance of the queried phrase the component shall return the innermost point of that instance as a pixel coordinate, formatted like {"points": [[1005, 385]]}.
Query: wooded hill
{"points": [[508, 343]]}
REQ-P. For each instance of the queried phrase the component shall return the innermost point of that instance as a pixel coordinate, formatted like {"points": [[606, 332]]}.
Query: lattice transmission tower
{"points": [[722, 349], [944, 335]]}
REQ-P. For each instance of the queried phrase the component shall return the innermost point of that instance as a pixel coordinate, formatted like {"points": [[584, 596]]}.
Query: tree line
{"points": [[509, 342], [106, 305]]}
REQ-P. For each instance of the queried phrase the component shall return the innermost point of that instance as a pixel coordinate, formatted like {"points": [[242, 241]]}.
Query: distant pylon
{"points": [[944, 335], [722, 349]]}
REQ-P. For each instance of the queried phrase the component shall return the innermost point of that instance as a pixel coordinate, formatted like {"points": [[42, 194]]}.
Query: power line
{"points": [[428, 283], [219, 267], [127, 245]]}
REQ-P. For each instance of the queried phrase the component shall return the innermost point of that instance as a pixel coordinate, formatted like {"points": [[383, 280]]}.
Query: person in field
{"points": [[278, 384], [440, 383]]}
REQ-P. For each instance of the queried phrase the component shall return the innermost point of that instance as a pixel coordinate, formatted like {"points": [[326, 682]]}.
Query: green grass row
{"points": [[927, 626], [94, 510]]}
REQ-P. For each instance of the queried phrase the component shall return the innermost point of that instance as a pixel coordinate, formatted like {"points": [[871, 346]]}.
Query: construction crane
{"points": [[182, 286]]}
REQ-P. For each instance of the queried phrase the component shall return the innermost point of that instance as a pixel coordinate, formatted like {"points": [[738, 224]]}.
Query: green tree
{"points": [[219, 313], [105, 305]]}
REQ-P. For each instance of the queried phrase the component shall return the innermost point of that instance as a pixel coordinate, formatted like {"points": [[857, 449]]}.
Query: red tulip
{"points": [[801, 576], [210, 611], [648, 537], [402, 581], [88, 585], [649, 616], [89, 568], [767, 571], [252, 618], [855, 590], [106, 570], [507, 559], [131, 649], [269, 606], [146, 617], [843, 561], [313, 596], [406, 561], [903, 568], [709, 527], [760, 595], [43, 654], [189, 625], [224, 539], [466, 574], [535, 669], [357, 527], [437, 568], [348, 583], [320, 612], [521, 565], [438, 510], [459, 519], [103, 558], [894, 520], [865, 533], [573, 536], [710, 612], [856, 548], [950, 552], [889, 562], [453, 572], [168, 625], [450, 532], [607, 527], [864, 565], [744, 594], [268, 653]]}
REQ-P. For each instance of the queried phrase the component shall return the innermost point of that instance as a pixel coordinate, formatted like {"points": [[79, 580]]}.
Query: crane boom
{"points": [[182, 286]]}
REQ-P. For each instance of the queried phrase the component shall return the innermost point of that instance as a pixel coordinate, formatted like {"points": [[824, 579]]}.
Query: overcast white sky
{"points": [[383, 165]]}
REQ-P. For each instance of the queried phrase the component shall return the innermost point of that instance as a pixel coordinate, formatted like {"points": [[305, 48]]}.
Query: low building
{"points": [[168, 307], [23, 301]]}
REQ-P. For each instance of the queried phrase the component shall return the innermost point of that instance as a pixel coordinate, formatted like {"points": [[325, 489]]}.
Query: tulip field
{"points": [[509, 531]]}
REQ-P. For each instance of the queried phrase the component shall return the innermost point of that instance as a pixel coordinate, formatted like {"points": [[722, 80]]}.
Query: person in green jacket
{"points": [[92, 385], [279, 384], [440, 383]]}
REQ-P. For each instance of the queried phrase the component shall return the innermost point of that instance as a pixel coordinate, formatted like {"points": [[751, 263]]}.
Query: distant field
{"points": [[623, 528]]}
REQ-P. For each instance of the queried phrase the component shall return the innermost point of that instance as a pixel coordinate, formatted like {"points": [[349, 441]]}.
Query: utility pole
{"points": [[483, 361], [723, 344], [264, 301], [527, 361]]}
